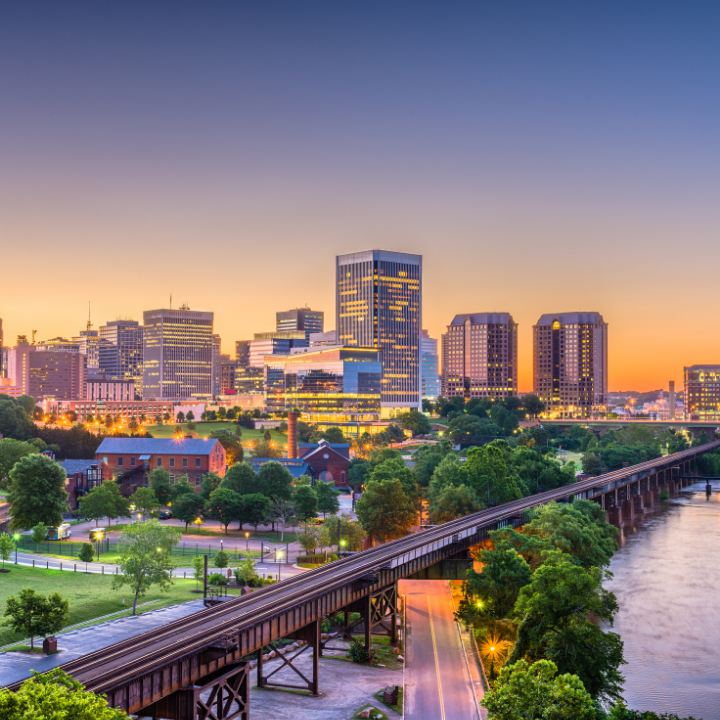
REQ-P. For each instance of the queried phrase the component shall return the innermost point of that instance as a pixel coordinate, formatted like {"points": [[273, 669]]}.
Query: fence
{"points": [[72, 549]]}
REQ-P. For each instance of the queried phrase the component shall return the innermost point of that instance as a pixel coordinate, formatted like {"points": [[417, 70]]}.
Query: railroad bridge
{"points": [[197, 668]]}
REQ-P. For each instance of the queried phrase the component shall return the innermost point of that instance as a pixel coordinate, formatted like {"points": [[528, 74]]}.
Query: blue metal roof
{"points": [[156, 446], [297, 468], [75, 466]]}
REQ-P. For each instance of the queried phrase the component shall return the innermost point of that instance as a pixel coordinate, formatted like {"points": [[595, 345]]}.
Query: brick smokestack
{"points": [[292, 449], [672, 400]]}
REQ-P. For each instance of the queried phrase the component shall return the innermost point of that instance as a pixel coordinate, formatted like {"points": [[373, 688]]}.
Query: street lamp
{"points": [[279, 563], [16, 537], [97, 537], [247, 543]]}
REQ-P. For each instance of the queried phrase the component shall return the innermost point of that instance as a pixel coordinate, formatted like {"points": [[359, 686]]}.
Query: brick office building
{"points": [[81, 476], [323, 462], [132, 459]]}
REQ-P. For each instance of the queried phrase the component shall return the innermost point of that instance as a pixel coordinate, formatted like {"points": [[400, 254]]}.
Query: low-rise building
{"points": [[131, 460], [103, 386], [323, 462], [702, 392], [81, 476], [98, 410]]}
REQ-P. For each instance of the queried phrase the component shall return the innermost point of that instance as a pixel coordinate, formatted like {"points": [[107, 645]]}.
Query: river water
{"points": [[667, 582]]}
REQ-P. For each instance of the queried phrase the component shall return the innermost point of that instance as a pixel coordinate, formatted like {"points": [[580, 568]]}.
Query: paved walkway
{"points": [[76, 643]]}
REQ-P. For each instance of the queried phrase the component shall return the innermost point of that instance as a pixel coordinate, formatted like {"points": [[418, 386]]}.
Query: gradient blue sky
{"points": [[542, 157]]}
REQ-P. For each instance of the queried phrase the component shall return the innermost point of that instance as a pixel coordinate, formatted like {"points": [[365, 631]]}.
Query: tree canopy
{"points": [[36, 492]]}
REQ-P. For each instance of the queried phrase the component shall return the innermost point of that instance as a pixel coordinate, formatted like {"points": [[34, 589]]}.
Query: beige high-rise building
{"points": [[570, 363], [479, 356]]}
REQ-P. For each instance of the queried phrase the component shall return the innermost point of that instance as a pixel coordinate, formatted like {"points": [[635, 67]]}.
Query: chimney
{"points": [[671, 401], [292, 449]]}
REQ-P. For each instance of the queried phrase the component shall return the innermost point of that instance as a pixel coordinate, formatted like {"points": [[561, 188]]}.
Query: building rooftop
{"points": [[157, 446], [580, 318], [75, 466], [483, 318], [296, 467]]}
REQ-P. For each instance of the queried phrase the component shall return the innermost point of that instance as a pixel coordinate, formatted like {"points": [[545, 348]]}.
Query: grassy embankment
{"points": [[90, 596], [203, 429]]}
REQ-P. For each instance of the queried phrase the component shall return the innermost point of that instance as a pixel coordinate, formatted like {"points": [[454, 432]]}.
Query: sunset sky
{"points": [[542, 157]]}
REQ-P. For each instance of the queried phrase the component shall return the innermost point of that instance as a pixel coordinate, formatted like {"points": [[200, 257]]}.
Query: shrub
{"points": [[665, 494], [358, 653], [315, 559], [217, 579], [221, 560]]}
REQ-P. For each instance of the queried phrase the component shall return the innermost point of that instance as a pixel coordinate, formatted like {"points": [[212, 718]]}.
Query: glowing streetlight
{"points": [[16, 537], [247, 543], [279, 562]]}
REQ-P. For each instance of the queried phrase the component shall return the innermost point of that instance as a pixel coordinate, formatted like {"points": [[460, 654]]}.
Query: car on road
{"points": [[164, 515]]}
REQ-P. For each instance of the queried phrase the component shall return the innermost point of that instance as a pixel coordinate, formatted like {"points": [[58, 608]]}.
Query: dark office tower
{"points": [[216, 363], [121, 351], [479, 356], [242, 352], [301, 320], [177, 354], [570, 364], [379, 304], [2, 363]]}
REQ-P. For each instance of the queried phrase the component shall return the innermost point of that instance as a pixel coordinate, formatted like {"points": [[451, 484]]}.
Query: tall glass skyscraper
{"points": [[379, 305], [177, 354], [430, 372], [121, 351], [301, 320]]}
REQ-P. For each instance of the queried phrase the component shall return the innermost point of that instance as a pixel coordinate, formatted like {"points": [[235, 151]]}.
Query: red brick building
{"points": [[81, 476], [132, 459]]}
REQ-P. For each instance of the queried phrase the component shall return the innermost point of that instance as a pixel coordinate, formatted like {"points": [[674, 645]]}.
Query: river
{"points": [[667, 582]]}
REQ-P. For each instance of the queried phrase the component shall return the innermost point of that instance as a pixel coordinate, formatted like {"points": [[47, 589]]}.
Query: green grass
{"points": [[397, 707], [203, 429], [375, 713], [90, 596]]}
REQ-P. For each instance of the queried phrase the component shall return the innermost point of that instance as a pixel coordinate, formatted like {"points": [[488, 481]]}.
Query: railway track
{"points": [[119, 663]]}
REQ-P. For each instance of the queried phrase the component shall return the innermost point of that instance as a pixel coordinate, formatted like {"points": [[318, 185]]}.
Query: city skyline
{"points": [[549, 159]]}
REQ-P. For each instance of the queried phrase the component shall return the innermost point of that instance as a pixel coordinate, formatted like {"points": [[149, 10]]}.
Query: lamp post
{"points": [[16, 537], [98, 536], [279, 563], [247, 543]]}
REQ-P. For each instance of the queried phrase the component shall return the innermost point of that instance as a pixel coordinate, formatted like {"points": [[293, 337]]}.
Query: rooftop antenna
{"points": [[34, 333], [171, 301], [89, 324]]}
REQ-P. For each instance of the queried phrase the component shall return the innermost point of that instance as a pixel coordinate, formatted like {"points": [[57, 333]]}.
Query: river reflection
{"points": [[667, 582]]}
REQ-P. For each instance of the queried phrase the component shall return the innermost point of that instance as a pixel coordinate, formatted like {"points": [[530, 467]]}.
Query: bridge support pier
{"points": [[628, 510], [649, 500], [310, 634], [223, 695]]}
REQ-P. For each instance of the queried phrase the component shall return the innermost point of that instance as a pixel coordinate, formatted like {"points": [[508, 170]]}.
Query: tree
{"points": [[221, 560], [275, 480], [427, 458], [283, 512], [533, 692], [242, 479], [180, 488], [188, 507], [39, 533], [145, 557], [190, 416], [224, 506], [231, 442], [162, 486], [144, 500], [452, 503], [10, 452], [591, 464], [86, 554], [54, 696], [505, 573], [357, 470], [37, 492], [265, 449], [396, 469], [309, 538], [489, 475], [351, 531], [415, 422], [449, 473], [7, 545], [210, 482], [254, 509], [34, 614], [327, 498], [247, 573], [554, 610], [198, 566], [306, 502], [385, 511], [334, 435], [180, 417], [104, 500]]}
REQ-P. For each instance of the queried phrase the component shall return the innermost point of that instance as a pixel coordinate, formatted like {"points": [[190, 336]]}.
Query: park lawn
{"points": [[90, 596], [232, 533], [203, 429]]}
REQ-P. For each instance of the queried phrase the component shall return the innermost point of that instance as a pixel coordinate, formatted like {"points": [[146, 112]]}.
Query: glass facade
{"points": [[178, 354], [249, 380], [301, 320], [379, 305], [702, 392], [430, 373], [121, 351], [336, 386]]}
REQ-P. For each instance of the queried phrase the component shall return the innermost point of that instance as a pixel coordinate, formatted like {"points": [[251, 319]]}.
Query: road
{"points": [[438, 684]]}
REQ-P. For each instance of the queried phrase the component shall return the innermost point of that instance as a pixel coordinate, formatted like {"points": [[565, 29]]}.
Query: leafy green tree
{"points": [[162, 486], [427, 458], [144, 499], [188, 507], [415, 422], [10, 452], [498, 586], [532, 548], [357, 470], [39, 533], [309, 538], [104, 500], [14, 421], [275, 480], [554, 610], [327, 498], [282, 512], [489, 475], [225, 506], [578, 529], [242, 479], [396, 469], [266, 449], [385, 511], [306, 502], [533, 404], [534, 692], [221, 560], [591, 464], [145, 557], [231, 443], [36, 492], [7, 545], [247, 573], [182, 487], [620, 711], [86, 554], [210, 482], [452, 503], [34, 614], [450, 473], [190, 416], [351, 531], [198, 566], [55, 696], [254, 509]]}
